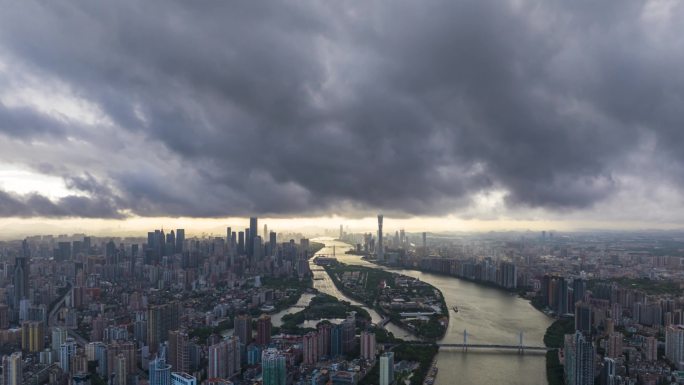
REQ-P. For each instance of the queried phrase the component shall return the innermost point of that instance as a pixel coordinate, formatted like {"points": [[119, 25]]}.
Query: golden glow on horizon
{"points": [[138, 226]]}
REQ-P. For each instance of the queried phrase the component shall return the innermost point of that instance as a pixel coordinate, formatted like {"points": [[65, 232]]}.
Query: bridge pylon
{"points": [[465, 340]]}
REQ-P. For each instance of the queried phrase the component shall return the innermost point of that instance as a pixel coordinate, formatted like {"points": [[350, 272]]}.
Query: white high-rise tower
{"points": [[381, 247]]}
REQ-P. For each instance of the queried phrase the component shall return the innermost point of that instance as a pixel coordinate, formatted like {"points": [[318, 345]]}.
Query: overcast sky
{"points": [[488, 111]]}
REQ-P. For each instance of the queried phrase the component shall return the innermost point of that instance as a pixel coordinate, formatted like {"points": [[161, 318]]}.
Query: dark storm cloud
{"points": [[307, 108], [32, 205]]}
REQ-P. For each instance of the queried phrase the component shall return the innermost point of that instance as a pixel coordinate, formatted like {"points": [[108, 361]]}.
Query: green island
{"points": [[406, 301], [321, 307]]}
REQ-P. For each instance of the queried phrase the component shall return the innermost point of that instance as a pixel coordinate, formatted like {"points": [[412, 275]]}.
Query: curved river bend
{"points": [[489, 315]]}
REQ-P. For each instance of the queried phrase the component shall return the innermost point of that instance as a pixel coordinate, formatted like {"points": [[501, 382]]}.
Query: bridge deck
{"points": [[494, 346]]}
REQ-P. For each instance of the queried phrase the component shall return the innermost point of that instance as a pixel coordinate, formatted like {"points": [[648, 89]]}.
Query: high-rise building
{"points": [[381, 250], [161, 319], [608, 372], [324, 339], [224, 358], [243, 328], [160, 371], [336, 340], [21, 279], [425, 252], [32, 336], [178, 355], [66, 352], [253, 229], [615, 345], [12, 369], [674, 345], [182, 379], [579, 287], [583, 317], [387, 368], [120, 370], [651, 349], [180, 240], [368, 345], [579, 360], [264, 330], [562, 296], [348, 333], [310, 348], [241, 243], [274, 369]]}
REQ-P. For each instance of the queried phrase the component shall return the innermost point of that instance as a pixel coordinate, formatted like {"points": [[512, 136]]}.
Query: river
{"points": [[490, 316]]}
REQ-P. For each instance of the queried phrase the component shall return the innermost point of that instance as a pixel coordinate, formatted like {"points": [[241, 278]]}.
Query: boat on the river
{"points": [[455, 309]]}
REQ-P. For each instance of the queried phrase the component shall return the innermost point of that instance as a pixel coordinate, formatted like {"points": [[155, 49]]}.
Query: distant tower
{"points": [[381, 251], [253, 233], [424, 244]]}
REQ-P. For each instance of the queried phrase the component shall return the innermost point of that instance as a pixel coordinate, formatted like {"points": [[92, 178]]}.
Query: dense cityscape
{"points": [[432, 192], [235, 309]]}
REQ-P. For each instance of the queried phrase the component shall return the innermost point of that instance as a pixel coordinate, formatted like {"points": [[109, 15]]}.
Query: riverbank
{"points": [[553, 336]]}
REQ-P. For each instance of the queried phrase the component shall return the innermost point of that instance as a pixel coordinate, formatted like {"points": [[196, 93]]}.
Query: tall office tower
{"points": [[161, 319], [66, 352], [583, 317], [264, 330], [348, 333], [11, 369], [180, 240], [233, 242], [310, 348], [243, 328], [579, 360], [178, 356], [257, 249], [674, 345], [229, 235], [21, 279], [615, 345], [425, 250], [265, 236], [120, 370], [387, 368], [579, 287], [381, 247], [160, 371], [182, 379], [241, 242], [253, 229], [274, 370], [273, 242], [171, 243], [368, 346], [86, 245], [324, 338], [651, 349]]}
